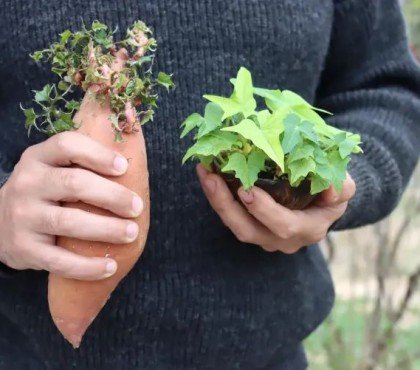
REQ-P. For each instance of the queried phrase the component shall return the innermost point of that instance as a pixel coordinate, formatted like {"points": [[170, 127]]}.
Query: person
{"points": [[222, 284]]}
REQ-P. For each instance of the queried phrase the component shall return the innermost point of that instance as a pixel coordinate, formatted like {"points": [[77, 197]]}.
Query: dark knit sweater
{"points": [[198, 298]]}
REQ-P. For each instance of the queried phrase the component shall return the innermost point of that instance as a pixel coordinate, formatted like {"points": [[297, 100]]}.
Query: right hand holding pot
{"points": [[266, 223]]}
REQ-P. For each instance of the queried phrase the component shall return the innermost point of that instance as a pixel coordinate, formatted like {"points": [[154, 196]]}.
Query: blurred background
{"points": [[375, 324]]}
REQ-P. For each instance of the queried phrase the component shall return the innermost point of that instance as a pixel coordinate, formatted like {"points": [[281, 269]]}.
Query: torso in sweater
{"points": [[197, 298]]}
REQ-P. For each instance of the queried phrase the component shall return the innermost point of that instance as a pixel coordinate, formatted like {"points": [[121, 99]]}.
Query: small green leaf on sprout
{"points": [[165, 80], [86, 58]]}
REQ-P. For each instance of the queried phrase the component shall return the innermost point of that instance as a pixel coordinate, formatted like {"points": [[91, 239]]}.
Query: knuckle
{"points": [[351, 188], [118, 193], [317, 236], [57, 221], [55, 264], [17, 213], [220, 208], [28, 154], [269, 248], [14, 264], [291, 250], [62, 221], [64, 141], [22, 182], [245, 236], [14, 256], [341, 208], [71, 179], [288, 231]]}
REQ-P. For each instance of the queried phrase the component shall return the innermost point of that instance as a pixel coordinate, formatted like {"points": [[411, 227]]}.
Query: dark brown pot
{"points": [[279, 189]]}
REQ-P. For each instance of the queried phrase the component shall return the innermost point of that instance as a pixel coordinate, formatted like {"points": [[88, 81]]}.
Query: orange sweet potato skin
{"points": [[74, 304]]}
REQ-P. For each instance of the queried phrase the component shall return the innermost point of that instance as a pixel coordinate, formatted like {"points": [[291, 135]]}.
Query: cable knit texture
{"points": [[198, 298]]}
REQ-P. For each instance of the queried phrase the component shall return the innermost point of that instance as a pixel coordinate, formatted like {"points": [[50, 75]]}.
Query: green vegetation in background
{"points": [[412, 13]]}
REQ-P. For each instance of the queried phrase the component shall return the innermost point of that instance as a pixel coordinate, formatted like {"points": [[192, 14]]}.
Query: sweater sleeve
{"points": [[371, 82], [3, 178], [5, 271]]}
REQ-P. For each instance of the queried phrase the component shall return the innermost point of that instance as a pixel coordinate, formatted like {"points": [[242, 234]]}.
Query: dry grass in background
{"points": [[376, 269]]}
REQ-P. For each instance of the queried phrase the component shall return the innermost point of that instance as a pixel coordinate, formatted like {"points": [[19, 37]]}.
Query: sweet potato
{"points": [[116, 84], [74, 304]]}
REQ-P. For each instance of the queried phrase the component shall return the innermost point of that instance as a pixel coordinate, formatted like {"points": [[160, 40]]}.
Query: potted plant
{"points": [[286, 148]]}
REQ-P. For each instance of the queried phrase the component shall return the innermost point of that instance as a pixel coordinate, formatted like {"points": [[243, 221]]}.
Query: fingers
{"points": [[71, 222], [280, 220], [293, 229], [69, 148], [74, 184], [70, 265], [233, 215], [331, 197], [265, 222], [326, 215]]}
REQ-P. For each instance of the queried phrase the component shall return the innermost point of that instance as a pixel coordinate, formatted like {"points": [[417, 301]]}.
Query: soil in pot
{"points": [[280, 189]]}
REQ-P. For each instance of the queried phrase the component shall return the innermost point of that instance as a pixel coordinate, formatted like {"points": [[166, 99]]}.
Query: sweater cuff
{"points": [[366, 185]]}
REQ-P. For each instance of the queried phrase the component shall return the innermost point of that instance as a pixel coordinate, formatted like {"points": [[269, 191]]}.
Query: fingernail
{"points": [[132, 230], [334, 195], [110, 268], [120, 164], [210, 185], [246, 196], [201, 171], [137, 205]]}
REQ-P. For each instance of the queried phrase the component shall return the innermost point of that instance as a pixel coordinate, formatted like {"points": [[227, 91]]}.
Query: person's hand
{"points": [[31, 215], [262, 221]]}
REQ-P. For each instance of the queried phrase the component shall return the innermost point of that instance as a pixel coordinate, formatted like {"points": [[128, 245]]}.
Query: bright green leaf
{"points": [[318, 184], [272, 127], [292, 135], [194, 120], [339, 166], [334, 170], [300, 152], [97, 26], [262, 116], [212, 119], [30, 117], [307, 129], [299, 169], [165, 80], [346, 148], [229, 106], [211, 144], [130, 87], [63, 86], [249, 130], [243, 86], [72, 105], [146, 116], [268, 94], [44, 94], [37, 55], [206, 161], [246, 170], [306, 112], [64, 36], [241, 101], [320, 156]]}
